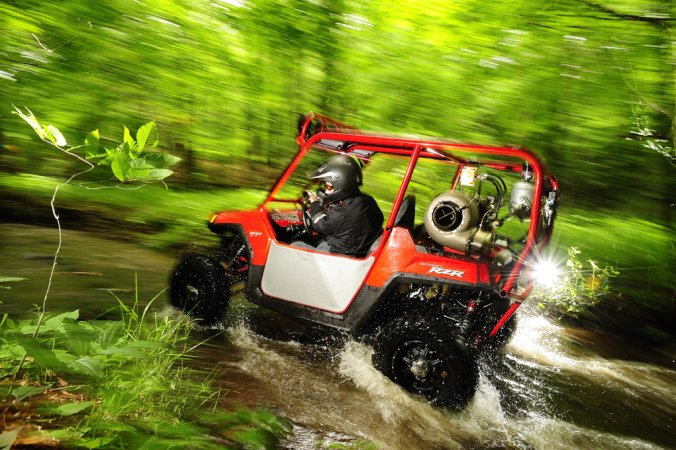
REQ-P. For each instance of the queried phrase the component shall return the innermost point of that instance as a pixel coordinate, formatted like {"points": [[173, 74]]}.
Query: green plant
{"points": [[115, 384], [128, 161], [582, 286], [123, 383], [125, 161]]}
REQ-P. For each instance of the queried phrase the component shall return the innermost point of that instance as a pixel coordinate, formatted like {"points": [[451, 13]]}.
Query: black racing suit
{"points": [[350, 225]]}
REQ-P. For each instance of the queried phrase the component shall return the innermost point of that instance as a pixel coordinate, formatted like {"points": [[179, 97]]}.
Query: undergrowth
{"points": [[117, 384], [583, 284]]}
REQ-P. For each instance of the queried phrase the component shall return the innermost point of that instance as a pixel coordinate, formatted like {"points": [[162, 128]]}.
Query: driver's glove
{"points": [[311, 196]]}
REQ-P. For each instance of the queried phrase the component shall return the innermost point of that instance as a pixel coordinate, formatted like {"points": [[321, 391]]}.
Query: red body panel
{"points": [[400, 256]]}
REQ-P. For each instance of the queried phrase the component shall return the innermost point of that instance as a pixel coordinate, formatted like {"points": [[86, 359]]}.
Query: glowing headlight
{"points": [[546, 273]]}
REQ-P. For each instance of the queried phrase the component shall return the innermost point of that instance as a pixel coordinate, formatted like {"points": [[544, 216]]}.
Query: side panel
{"points": [[400, 256], [319, 280]]}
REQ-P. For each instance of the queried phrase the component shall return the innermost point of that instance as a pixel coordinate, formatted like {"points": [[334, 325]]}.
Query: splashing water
{"points": [[554, 381]]}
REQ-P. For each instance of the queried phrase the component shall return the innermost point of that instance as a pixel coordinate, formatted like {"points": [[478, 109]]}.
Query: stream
{"points": [[553, 387]]}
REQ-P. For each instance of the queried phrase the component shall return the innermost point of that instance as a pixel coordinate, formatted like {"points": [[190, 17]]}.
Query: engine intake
{"points": [[452, 219]]}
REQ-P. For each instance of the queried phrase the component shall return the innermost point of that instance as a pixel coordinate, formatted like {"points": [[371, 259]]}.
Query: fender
{"points": [[253, 226]]}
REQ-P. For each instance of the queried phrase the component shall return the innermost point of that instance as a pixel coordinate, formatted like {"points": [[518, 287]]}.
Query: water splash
{"points": [[345, 396], [540, 343]]}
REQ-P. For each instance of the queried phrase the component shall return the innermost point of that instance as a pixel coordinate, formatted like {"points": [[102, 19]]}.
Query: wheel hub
{"points": [[420, 368]]}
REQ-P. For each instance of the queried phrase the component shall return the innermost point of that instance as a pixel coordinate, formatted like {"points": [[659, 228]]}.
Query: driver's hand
{"points": [[311, 196]]}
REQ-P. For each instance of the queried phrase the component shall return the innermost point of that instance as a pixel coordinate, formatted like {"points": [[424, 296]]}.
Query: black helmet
{"points": [[344, 173]]}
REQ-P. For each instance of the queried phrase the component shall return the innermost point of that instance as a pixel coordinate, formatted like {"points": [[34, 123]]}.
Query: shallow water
{"points": [[549, 390], [553, 387]]}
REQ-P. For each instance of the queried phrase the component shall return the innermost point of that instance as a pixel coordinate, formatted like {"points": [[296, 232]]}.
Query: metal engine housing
{"points": [[452, 220]]}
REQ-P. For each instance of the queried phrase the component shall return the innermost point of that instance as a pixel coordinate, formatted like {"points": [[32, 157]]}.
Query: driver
{"points": [[348, 220]]}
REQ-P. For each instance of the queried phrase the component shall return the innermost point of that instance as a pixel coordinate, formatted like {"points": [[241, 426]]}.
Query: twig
{"points": [[43, 311]]}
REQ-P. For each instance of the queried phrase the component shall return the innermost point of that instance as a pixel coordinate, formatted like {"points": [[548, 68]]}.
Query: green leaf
{"points": [[111, 333], [138, 169], [131, 145], [161, 160], [92, 145], [32, 121], [98, 442], [54, 323], [8, 437], [68, 409], [158, 174], [62, 435], [6, 323], [24, 392], [88, 365], [127, 136], [147, 135], [80, 337], [57, 137], [107, 158], [120, 163], [141, 170], [126, 352], [48, 134], [145, 344], [40, 354]]}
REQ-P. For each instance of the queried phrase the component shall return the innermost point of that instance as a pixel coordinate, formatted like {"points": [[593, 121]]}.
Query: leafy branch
{"points": [[127, 162]]}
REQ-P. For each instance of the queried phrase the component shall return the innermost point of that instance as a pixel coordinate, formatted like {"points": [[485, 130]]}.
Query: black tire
{"points": [[421, 355], [200, 287]]}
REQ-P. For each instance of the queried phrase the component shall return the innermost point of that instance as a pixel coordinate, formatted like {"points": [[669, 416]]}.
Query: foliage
{"points": [[126, 160], [582, 286], [571, 79], [108, 384], [588, 84], [129, 379]]}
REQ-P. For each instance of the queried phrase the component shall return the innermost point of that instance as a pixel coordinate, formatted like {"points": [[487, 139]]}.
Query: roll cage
{"points": [[319, 131]]}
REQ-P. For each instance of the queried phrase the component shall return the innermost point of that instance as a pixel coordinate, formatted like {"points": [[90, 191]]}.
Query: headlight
{"points": [[546, 273]]}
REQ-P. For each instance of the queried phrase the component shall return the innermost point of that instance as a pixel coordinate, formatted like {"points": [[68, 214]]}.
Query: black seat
{"points": [[406, 215]]}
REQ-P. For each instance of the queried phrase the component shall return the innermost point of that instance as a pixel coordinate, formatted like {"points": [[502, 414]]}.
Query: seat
{"points": [[375, 244], [406, 215]]}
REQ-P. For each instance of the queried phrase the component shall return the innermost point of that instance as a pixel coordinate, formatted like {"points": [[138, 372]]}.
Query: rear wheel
{"points": [[200, 287], [421, 355]]}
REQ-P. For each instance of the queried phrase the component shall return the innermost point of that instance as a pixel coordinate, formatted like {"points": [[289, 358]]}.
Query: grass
{"points": [[117, 384], [165, 215]]}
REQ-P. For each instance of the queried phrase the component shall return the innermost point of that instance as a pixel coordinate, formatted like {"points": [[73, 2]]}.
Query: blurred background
{"points": [[588, 84]]}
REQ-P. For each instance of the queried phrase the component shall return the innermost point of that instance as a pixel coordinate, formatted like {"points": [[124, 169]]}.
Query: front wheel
{"points": [[200, 287], [421, 355]]}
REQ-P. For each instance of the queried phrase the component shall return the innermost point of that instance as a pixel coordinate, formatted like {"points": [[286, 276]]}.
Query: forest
{"points": [[588, 84]]}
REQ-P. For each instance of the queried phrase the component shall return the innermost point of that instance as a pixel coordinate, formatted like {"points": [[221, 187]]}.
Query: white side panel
{"points": [[320, 280]]}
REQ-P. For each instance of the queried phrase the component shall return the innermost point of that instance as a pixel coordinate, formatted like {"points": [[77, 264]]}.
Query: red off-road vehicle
{"points": [[463, 225]]}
